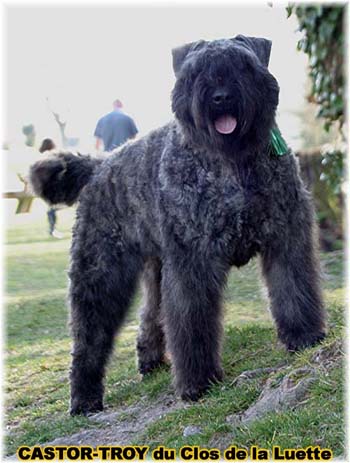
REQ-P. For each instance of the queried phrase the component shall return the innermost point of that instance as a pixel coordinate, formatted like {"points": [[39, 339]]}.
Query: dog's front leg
{"points": [[191, 290], [291, 269]]}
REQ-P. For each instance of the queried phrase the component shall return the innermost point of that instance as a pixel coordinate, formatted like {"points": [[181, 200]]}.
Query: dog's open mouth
{"points": [[225, 124]]}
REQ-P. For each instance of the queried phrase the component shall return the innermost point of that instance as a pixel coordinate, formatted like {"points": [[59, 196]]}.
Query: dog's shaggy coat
{"points": [[183, 205]]}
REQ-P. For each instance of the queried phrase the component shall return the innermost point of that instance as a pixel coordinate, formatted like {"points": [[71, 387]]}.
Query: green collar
{"points": [[278, 145]]}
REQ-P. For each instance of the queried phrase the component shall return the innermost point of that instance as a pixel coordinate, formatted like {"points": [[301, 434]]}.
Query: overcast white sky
{"points": [[82, 58]]}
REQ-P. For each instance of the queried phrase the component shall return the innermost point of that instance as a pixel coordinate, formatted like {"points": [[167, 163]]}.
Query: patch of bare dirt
{"points": [[278, 396], [124, 425]]}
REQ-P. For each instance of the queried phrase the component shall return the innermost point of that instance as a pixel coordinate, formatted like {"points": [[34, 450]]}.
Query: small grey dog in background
{"points": [[182, 205]]}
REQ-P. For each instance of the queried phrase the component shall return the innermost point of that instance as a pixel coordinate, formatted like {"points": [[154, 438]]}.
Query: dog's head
{"points": [[224, 93]]}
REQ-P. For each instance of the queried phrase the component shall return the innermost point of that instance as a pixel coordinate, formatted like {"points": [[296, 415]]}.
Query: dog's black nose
{"points": [[221, 96]]}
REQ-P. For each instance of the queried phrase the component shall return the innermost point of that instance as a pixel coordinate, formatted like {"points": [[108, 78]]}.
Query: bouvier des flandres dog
{"points": [[182, 205]]}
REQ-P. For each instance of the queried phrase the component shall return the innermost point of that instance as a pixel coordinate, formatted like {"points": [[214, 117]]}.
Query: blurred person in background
{"points": [[115, 128], [48, 145]]}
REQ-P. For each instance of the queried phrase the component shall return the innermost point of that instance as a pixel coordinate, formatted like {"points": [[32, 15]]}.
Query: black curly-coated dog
{"points": [[182, 205]]}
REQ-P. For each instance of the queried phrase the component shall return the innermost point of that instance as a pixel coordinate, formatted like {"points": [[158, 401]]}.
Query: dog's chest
{"points": [[213, 207]]}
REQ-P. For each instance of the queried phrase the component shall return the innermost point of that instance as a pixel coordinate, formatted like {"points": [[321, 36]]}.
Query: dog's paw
{"points": [[145, 368], [195, 391], [192, 395], [85, 407], [295, 344]]}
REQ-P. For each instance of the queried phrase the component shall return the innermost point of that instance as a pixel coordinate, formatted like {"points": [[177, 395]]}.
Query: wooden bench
{"points": [[24, 197]]}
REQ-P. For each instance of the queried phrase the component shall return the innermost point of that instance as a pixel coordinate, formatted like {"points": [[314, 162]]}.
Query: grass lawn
{"points": [[38, 356]]}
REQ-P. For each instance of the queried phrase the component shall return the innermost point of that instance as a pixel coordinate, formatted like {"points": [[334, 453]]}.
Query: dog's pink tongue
{"points": [[225, 124]]}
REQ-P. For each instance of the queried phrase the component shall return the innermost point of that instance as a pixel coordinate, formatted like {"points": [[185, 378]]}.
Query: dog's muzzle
{"points": [[224, 122]]}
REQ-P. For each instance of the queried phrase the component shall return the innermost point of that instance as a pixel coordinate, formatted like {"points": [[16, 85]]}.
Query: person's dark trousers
{"points": [[51, 215]]}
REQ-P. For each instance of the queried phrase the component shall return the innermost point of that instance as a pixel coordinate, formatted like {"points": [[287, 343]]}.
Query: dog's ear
{"points": [[261, 47], [180, 54]]}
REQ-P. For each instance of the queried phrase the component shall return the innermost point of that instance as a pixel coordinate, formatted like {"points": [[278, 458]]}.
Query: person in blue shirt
{"points": [[115, 128]]}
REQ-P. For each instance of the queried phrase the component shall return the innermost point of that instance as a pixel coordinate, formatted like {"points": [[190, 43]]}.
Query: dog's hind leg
{"points": [[191, 300], [291, 269], [150, 340], [103, 280]]}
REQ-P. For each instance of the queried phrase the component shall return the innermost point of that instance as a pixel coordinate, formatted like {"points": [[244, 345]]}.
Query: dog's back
{"points": [[61, 177]]}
